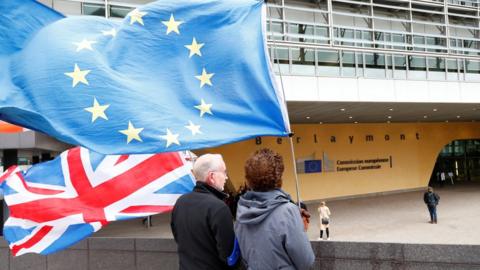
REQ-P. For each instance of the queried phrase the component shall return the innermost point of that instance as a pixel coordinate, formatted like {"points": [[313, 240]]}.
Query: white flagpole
{"points": [[285, 104]]}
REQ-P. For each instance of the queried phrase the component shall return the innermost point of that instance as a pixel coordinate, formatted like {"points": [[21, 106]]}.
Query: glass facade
{"points": [[414, 40], [408, 39], [462, 158]]}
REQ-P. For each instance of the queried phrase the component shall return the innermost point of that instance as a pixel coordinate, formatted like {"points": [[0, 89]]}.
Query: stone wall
{"points": [[142, 254]]}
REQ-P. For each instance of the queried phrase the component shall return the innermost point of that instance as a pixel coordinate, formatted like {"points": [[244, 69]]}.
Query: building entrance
{"points": [[459, 161]]}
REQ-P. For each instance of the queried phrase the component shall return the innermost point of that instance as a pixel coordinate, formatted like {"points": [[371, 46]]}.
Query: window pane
{"points": [[328, 63], [322, 34], [345, 37], [360, 64], [119, 12], [93, 9], [367, 36], [400, 63], [280, 59], [300, 32], [374, 65], [473, 66], [274, 13], [452, 69], [417, 67], [436, 68], [379, 39], [275, 27], [417, 63], [303, 61], [419, 43], [399, 41], [473, 70], [348, 64], [436, 42]]}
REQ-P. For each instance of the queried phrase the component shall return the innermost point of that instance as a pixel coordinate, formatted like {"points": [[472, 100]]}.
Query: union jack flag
{"points": [[55, 204], [5, 175]]}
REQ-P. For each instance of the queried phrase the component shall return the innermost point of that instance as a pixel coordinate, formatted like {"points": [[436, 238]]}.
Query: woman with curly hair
{"points": [[269, 226]]}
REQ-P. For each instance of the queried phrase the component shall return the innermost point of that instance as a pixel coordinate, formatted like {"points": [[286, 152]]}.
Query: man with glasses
{"points": [[202, 224]]}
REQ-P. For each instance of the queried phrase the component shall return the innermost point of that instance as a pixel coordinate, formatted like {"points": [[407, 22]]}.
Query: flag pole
{"points": [[285, 103], [295, 169]]}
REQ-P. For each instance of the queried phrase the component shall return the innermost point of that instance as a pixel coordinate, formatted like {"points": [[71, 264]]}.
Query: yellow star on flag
{"points": [[204, 108], [136, 16], [172, 25], [205, 78], [97, 110], [132, 132], [84, 44], [193, 128], [112, 32], [171, 138], [78, 76], [195, 48]]}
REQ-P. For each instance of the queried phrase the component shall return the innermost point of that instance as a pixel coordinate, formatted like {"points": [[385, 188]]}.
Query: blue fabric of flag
{"points": [[173, 75]]}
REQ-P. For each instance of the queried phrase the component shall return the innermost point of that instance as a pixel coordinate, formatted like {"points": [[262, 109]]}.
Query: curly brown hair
{"points": [[263, 170]]}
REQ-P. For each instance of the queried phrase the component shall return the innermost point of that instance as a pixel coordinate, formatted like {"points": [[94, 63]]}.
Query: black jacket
{"points": [[202, 226], [431, 198]]}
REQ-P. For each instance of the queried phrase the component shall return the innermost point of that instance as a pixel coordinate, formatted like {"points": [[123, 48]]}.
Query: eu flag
{"points": [[173, 75], [313, 166]]}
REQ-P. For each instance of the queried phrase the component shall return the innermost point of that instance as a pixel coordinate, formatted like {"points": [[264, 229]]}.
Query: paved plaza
{"points": [[397, 218]]}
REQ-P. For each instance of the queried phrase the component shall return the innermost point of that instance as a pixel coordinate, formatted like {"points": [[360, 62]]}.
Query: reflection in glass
{"points": [[360, 66], [400, 65], [280, 60], [436, 68], [328, 63], [93, 9], [300, 32], [452, 69], [419, 43], [374, 65], [321, 34], [275, 30], [417, 67], [303, 61], [389, 64], [398, 40], [119, 12], [348, 64], [473, 70]]}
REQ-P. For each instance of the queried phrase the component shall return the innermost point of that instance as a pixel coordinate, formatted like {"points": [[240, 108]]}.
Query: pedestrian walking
{"points": [[324, 214], [431, 199]]}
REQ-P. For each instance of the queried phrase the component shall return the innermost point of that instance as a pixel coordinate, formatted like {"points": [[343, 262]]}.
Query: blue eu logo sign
{"points": [[313, 166]]}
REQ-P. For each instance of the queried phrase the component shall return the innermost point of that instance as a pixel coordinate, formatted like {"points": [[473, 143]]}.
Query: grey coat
{"points": [[270, 232]]}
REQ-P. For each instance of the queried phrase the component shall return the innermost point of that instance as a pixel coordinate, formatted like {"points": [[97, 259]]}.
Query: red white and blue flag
{"points": [[55, 204]]}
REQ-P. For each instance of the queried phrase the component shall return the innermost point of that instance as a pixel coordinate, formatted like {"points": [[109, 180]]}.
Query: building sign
{"points": [[363, 164], [351, 139], [348, 165]]}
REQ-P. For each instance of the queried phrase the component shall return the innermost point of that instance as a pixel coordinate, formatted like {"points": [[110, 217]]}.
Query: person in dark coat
{"points": [[201, 223], [431, 199]]}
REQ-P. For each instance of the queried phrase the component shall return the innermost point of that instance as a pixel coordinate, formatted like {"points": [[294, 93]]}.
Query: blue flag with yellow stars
{"points": [[173, 75]]}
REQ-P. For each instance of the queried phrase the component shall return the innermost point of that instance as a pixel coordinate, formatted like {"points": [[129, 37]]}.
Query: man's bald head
{"points": [[207, 163], [204, 168]]}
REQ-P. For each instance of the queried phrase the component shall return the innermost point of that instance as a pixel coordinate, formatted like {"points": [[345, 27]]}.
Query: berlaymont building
{"points": [[383, 95]]}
